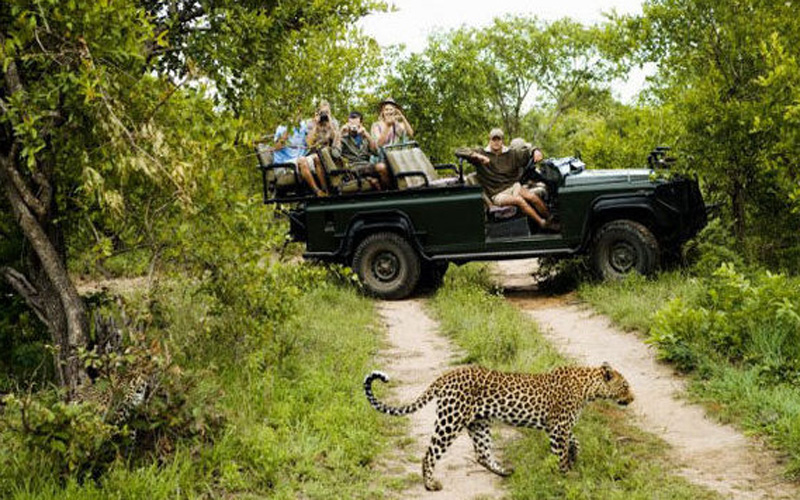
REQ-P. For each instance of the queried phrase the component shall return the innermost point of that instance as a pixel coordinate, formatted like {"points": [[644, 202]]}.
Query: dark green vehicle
{"points": [[399, 239]]}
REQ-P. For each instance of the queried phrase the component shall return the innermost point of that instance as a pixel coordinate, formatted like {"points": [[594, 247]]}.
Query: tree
{"points": [[444, 92], [104, 110], [724, 69], [551, 65], [468, 79]]}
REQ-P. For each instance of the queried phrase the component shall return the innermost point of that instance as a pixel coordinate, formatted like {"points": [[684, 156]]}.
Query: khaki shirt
{"points": [[352, 152], [503, 170]]}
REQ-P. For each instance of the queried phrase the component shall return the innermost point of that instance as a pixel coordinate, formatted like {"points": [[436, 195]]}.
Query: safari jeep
{"points": [[399, 239]]}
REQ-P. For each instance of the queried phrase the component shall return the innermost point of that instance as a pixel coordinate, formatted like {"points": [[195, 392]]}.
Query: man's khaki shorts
{"points": [[310, 160], [504, 197]]}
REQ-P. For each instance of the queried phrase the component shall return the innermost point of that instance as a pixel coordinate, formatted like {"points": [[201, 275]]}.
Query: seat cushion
{"points": [[502, 212], [403, 161]]}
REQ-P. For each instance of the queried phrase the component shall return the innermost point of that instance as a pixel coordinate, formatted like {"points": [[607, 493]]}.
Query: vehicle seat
{"points": [[283, 178], [342, 180], [411, 168], [494, 212]]}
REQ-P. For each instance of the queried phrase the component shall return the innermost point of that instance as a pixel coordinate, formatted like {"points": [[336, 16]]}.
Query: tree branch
{"points": [[19, 185], [27, 291]]}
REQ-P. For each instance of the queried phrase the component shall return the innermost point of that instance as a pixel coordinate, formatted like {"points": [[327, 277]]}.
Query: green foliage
{"points": [[632, 302], [468, 80], [607, 134], [753, 320], [66, 438], [727, 78], [107, 423], [294, 422], [24, 358]]}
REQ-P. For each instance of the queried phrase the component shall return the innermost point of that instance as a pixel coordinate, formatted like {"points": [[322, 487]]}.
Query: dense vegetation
{"points": [[124, 152]]}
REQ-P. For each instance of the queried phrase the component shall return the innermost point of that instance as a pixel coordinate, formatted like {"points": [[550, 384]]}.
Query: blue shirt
{"points": [[295, 145]]}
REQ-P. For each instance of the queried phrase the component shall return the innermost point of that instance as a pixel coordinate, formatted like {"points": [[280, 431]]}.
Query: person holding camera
{"points": [[359, 150], [392, 126], [323, 133]]}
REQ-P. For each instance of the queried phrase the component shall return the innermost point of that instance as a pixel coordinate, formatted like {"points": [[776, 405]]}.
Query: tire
{"points": [[623, 246], [431, 276], [387, 265]]}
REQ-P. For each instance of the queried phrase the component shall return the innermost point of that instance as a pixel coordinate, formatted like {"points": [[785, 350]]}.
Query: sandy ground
{"points": [[712, 455], [418, 354]]}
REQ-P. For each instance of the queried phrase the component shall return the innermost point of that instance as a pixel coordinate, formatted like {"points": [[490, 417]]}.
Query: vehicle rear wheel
{"points": [[387, 265], [624, 246]]}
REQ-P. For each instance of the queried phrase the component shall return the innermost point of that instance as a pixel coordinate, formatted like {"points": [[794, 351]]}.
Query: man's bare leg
{"points": [[320, 173], [520, 202], [305, 173], [537, 202]]}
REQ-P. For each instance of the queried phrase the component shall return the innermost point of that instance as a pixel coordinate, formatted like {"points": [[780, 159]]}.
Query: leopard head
{"points": [[614, 386]]}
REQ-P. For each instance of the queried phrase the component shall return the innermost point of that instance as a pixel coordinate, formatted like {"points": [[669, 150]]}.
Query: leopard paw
{"points": [[433, 485]]}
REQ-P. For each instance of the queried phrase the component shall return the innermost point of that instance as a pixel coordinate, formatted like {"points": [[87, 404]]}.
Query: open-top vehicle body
{"points": [[400, 238]]}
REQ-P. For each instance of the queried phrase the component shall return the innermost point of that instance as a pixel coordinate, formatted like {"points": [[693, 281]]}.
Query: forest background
{"points": [[125, 151]]}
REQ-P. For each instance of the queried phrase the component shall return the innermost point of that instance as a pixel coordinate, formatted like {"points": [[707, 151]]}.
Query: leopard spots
{"points": [[471, 397]]}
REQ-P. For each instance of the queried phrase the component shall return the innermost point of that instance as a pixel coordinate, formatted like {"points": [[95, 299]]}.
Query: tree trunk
{"points": [[48, 289]]}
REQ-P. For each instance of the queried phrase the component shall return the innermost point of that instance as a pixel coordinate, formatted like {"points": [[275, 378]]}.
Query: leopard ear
{"points": [[608, 372]]}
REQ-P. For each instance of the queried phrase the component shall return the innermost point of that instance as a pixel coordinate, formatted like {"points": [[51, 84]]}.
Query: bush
{"points": [[139, 403], [742, 318]]}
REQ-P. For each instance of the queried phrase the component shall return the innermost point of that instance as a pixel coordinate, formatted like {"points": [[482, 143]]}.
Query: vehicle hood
{"points": [[593, 177]]}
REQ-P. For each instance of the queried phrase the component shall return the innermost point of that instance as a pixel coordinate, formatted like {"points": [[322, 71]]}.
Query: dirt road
{"points": [[417, 355], [712, 455]]}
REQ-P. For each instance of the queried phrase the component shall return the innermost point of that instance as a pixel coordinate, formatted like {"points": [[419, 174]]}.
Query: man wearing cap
{"points": [[392, 126], [499, 169], [359, 149]]}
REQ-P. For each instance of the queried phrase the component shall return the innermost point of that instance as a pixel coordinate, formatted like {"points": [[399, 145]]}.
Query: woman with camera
{"points": [[392, 126]]}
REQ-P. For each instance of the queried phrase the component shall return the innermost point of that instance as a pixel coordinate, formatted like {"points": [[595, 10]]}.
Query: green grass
{"points": [[295, 429], [750, 392], [631, 302], [616, 460]]}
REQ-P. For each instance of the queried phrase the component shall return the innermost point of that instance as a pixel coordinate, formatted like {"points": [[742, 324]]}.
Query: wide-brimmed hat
{"points": [[386, 101]]}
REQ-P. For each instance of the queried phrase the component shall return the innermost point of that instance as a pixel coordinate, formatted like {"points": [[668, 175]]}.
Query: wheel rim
{"points": [[386, 266], [622, 257]]}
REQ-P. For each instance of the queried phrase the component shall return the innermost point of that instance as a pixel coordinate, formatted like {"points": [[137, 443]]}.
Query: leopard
{"points": [[473, 397]]}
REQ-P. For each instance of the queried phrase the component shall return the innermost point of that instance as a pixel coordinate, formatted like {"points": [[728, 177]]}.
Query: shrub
{"points": [[750, 318], [140, 402]]}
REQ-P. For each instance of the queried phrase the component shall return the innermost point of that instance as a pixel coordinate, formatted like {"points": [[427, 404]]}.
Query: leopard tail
{"points": [[421, 401]]}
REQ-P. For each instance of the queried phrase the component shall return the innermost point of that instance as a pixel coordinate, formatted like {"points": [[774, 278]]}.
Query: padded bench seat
{"points": [[411, 168], [283, 178]]}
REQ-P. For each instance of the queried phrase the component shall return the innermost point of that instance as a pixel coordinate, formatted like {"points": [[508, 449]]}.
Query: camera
{"points": [[353, 129], [323, 117]]}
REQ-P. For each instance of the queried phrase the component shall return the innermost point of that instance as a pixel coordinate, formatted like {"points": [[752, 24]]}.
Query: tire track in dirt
{"points": [[416, 356], [709, 454]]}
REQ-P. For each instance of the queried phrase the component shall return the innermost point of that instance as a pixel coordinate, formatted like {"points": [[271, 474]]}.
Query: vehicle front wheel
{"points": [[387, 266], [624, 246]]}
